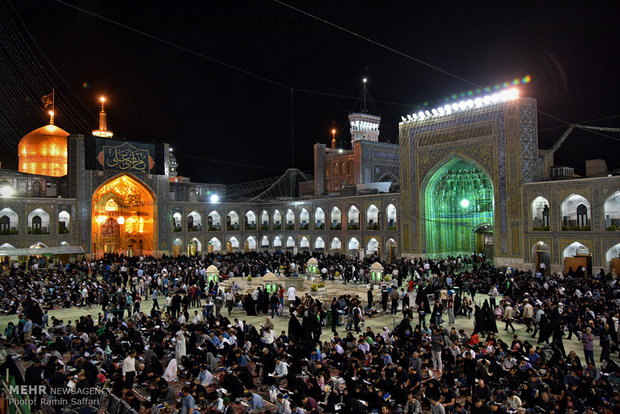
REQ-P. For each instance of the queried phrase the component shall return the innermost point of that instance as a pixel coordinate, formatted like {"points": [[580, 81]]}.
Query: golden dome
{"points": [[44, 151]]}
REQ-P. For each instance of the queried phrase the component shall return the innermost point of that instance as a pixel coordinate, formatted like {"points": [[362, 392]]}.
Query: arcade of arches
{"points": [[459, 210], [124, 218]]}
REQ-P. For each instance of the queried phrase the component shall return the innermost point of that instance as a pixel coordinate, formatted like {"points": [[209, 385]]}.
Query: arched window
{"points": [[335, 219], [540, 214], [335, 244], [612, 212], [373, 246], [264, 242], [354, 244], [8, 222], [277, 220], [343, 168], [372, 218], [576, 213], [290, 243], [234, 242], [304, 219], [38, 222], [290, 220], [350, 167], [194, 221], [64, 221], [319, 219], [336, 168], [250, 221], [232, 221], [264, 220], [215, 244], [304, 243], [353, 218], [176, 221], [214, 221], [319, 244], [390, 212], [277, 242], [251, 241]]}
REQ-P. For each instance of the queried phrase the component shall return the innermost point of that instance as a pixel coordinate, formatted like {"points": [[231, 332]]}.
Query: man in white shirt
{"points": [[290, 294], [280, 372], [269, 336], [129, 369]]}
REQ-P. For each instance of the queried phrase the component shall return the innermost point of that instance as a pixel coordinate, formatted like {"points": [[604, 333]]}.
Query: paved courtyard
{"points": [[333, 288]]}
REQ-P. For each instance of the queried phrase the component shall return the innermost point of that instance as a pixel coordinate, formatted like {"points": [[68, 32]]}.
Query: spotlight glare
{"points": [[464, 203], [214, 198]]}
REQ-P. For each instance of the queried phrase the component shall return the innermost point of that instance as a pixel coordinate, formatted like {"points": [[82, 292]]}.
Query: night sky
{"points": [[227, 127]]}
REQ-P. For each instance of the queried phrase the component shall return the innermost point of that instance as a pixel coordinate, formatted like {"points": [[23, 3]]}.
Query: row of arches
{"points": [[38, 222], [576, 213], [541, 252], [278, 242], [37, 245], [279, 221]]}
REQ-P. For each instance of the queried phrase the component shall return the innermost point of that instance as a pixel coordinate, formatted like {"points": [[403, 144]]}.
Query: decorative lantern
{"points": [[376, 273], [213, 274], [312, 266], [270, 281]]}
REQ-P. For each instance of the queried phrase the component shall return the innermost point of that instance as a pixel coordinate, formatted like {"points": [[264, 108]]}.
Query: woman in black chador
{"points": [[249, 305], [479, 325], [489, 318]]}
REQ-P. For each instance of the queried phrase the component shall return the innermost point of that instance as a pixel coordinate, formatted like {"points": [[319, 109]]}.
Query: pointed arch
{"points": [[250, 220], [612, 212], [319, 244], [373, 246], [290, 219], [264, 242], [319, 219], [353, 218], [38, 222], [390, 213], [335, 219], [194, 221], [264, 220], [251, 241], [232, 221], [214, 221], [277, 242], [372, 218], [216, 244], [335, 244], [540, 214], [290, 243], [304, 243], [354, 244], [9, 222], [277, 220], [304, 219], [576, 213]]}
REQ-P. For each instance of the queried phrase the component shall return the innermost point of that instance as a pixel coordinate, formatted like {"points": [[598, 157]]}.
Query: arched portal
{"points": [[542, 254], [124, 214], [613, 258], [458, 199]]}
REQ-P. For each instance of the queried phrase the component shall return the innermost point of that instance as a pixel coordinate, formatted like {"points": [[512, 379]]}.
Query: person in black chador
{"points": [[249, 305], [479, 324], [295, 331], [489, 318]]}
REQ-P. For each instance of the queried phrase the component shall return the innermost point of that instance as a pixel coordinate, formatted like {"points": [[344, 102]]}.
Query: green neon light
{"points": [[458, 200]]}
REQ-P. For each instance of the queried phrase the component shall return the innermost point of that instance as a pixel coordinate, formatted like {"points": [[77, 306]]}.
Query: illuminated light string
{"points": [[515, 82], [496, 98]]}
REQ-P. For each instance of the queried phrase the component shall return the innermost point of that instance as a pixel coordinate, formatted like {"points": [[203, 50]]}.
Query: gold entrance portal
{"points": [[124, 218]]}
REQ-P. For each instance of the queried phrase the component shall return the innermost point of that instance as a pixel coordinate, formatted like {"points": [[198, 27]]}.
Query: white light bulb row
{"points": [[364, 126], [503, 96]]}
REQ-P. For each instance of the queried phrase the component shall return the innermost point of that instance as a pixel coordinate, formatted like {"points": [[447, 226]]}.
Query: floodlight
{"points": [[214, 198], [464, 203]]}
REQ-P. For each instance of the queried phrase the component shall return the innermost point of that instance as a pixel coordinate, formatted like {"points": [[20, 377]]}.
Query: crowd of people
{"points": [[170, 340]]}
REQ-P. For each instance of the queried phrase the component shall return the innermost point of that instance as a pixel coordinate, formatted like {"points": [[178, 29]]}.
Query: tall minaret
{"points": [[103, 123], [364, 126]]}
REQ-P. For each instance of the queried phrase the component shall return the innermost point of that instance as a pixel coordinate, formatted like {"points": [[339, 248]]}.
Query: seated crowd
{"points": [[164, 343]]}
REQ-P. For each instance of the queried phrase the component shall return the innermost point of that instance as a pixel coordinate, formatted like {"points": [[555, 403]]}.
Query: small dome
{"points": [[44, 151], [376, 266], [269, 276], [313, 261], [213, 269]]}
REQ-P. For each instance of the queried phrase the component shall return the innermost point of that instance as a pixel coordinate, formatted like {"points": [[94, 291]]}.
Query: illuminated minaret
{"points": [[103, 123]]}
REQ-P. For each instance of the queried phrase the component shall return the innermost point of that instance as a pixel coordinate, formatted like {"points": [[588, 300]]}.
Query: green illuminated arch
{"points": [[458, 202]]}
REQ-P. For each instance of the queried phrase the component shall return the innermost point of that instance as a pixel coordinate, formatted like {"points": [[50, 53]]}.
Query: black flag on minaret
{"points": [[48, 100]]}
